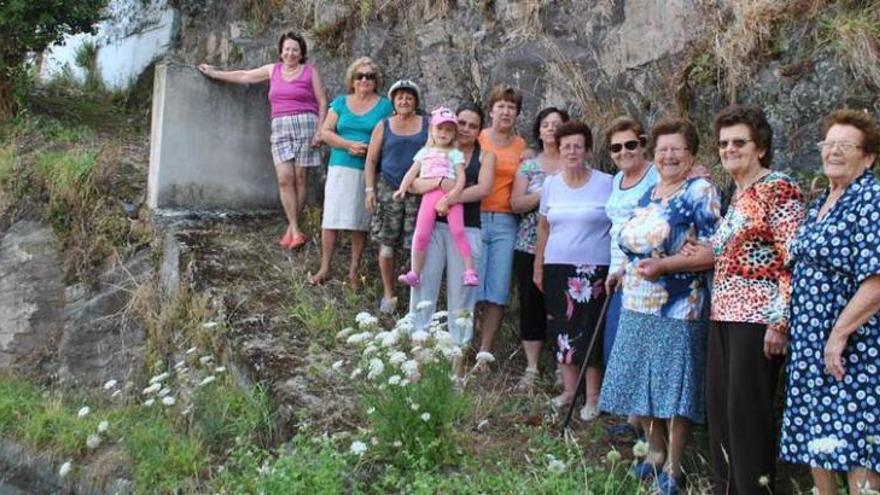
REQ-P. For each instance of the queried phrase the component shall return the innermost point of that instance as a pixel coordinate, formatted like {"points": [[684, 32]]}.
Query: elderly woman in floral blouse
{"points": [[750, 294], [664, 303]]}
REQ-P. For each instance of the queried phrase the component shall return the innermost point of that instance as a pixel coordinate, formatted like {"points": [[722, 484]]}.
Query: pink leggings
{"points": [[425, 223]]}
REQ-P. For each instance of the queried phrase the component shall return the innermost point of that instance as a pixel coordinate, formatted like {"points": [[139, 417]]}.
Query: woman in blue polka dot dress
{"points": [[832, 406]]}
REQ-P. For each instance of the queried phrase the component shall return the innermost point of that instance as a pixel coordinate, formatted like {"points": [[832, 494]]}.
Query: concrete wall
{"points": [[209, 145]]}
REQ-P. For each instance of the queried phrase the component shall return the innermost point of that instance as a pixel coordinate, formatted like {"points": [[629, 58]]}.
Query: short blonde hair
{"points": [[352, 69]]}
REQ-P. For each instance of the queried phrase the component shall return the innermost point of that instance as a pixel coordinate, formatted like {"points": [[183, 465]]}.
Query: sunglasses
{"points": [[369, 76], [630, 145], [737, 143]]}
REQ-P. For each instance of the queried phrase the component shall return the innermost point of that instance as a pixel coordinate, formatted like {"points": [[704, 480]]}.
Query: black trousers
{"points": [[740, 392]]}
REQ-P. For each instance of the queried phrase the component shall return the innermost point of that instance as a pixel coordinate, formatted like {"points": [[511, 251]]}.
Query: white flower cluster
{"points": [[825, 445]]}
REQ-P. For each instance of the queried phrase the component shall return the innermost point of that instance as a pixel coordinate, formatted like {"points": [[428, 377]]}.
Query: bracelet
{"points": [[368, 189]]}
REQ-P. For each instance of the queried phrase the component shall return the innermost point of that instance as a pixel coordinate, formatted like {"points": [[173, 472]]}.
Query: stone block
{"points": [[209, 143]]}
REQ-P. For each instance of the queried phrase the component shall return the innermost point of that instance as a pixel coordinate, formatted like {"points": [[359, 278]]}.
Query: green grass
{"points": [[224, 414], [165, 461]]}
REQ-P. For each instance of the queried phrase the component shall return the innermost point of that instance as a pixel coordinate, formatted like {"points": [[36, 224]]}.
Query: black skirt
{"points": [[573, 296]]}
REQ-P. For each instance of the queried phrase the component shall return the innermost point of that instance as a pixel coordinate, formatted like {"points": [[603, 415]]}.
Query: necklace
{"points": [[665, 195]]}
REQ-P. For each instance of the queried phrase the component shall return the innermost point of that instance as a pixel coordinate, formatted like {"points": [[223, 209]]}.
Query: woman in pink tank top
{"points": [[299, 105]]}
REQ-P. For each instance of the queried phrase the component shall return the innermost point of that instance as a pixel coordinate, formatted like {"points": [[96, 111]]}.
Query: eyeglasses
{"points": [[843, 146], [669, 151], [737, 143], [369, 76]]}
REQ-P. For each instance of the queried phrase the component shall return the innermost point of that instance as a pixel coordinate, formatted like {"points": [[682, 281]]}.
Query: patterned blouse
{"points": [[656, 231], [752, 280], [527, 233]]}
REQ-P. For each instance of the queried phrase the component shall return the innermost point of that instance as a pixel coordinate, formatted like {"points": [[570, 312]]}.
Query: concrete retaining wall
{"points": [[209, 145]]}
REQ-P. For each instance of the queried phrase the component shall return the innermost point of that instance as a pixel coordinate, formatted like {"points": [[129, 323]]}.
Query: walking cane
{"points": [[583, 372]]}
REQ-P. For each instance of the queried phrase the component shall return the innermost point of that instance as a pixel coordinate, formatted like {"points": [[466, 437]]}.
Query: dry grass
{"points": [[855, 36], [744, 33], [260, 12], [529, 26]]}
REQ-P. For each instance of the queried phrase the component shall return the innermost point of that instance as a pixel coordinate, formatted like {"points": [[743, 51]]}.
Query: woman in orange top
{"points": [[498, 221]]}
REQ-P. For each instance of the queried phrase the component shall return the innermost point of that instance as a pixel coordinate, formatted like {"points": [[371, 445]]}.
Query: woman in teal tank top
{"points": [[347, 130]]}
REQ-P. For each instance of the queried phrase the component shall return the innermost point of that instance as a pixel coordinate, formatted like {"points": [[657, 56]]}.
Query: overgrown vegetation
{"points": [[29, 26]]}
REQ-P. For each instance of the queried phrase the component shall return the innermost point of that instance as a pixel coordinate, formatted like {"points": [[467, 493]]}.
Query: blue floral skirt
{"points": [[657, 368], [573, 297]]}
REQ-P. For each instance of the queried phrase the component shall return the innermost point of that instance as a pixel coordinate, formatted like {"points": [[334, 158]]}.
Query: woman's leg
{"points": [[655, 431], [456, 227], [532, 316], [861, 480], [570, 374], [825, 481], [594, 384], [328, 243], [386, 270], [302, 177], [287, 191], [358, 243], [460, 299], [679, 432]]}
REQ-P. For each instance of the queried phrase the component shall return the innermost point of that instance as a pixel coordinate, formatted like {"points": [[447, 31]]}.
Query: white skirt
{"points": [[344, 200]]}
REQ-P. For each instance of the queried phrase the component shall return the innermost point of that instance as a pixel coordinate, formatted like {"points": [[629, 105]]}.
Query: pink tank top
{"points": [[292, 97]]}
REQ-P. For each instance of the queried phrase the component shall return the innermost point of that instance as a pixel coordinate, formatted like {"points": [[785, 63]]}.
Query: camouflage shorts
{"points": [[394, 221]]}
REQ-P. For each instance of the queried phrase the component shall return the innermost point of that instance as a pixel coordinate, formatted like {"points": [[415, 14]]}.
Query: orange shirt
{"points": [[507, 161]]}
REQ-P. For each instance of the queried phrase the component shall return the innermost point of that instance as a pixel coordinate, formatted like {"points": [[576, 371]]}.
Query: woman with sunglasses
{"points": [[636, 175], [298, 107], [347, 130], [657, 366], [832, 406], [748, 334]]}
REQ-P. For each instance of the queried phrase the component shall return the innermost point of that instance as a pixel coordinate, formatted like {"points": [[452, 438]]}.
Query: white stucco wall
{"points": [[133, 36]]}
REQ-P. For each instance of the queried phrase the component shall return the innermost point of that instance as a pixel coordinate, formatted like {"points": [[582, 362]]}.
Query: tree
{"points": [[29, 26]]}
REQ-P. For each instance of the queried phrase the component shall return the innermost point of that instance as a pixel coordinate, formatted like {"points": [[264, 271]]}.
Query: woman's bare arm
{"points": [[520, 200], [251, 76], [321, 96]]}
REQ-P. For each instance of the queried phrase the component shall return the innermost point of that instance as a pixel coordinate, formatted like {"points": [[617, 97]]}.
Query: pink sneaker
{"points": [[469, 277], [410, 278]]}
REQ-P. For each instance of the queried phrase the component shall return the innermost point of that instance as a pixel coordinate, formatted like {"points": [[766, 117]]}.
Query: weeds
{"points": [[855, 36], [224, 415]]}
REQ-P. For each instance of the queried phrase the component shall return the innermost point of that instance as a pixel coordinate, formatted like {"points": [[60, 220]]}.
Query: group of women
{"points": [[702, 307]]}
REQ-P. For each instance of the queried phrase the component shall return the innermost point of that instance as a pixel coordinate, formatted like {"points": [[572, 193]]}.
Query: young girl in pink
{"points": [[441, 160]]}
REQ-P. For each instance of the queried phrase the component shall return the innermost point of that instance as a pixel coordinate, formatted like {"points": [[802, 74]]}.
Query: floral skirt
{"points": [[573, 297]]}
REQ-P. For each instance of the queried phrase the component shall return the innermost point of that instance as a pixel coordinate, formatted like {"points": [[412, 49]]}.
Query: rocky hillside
{"points": [[600, 58]]}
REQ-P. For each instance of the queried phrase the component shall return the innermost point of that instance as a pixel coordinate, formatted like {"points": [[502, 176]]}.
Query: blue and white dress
{"points": [[829, 424]]}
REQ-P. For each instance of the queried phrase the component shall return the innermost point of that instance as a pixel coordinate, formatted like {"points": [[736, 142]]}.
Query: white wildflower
{"points": [[110, 384], [164, 392], [356, 373], [371, 410], [84, 411], [764, 480], [485, 357], [206, 359], [426, 417], [376, 368], [556, 466], [640, 449], [390, 340], [191, 350], [366, 320], [414, 406], [114, 394], [344, 333], [168, 400], [394, 380], [362, 317], [464, 323], [149, 402], [370, 349], [482, 424], [397, 357], [439, 314], [220, 369], [179, 364], [423, 305], [404, 382], [264, 469], [207, 380], [103, 426], [337, 365], [160, 377], [420, 336], [825, 445], [410, 368], [359, 338], [152, 388], [358, 448], [397, 444], [209, 325], [613, 456], [374, 441], [93, 441], [64, 470]]}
